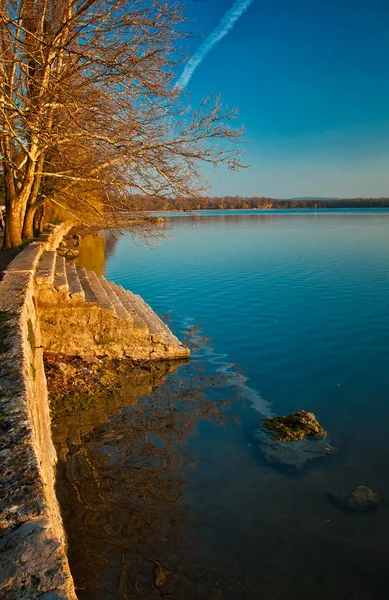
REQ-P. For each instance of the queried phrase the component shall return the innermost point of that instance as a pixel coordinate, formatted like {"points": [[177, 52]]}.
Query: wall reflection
{"points": [[121, 480]]}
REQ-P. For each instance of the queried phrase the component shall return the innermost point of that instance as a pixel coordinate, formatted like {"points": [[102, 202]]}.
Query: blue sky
{"points": [[311, 81]]}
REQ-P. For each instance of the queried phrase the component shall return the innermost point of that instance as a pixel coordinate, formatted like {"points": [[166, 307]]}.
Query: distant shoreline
{"points": [[142, 203], [262, 209], [247, 211]]}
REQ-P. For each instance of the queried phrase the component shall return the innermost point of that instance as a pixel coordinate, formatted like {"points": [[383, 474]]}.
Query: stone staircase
{"points": [[66, 290]]}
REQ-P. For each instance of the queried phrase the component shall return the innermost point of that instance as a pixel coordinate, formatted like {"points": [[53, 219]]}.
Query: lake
{"points": [[170, 490]]}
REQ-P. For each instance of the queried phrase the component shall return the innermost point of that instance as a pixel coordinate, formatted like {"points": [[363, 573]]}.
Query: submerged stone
{"points": [[293, 427], [362, 499], [292, 456]]}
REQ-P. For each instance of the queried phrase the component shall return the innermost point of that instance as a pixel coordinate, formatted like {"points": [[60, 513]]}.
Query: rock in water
{"points": [[292, 456], [362, 499], [293, 427]]}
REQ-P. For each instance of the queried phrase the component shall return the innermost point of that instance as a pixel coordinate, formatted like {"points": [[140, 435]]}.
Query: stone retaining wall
{"points": [[33, 562]]}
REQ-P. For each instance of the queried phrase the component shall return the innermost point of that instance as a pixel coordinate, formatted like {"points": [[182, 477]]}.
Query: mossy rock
{"points": [[68, 253], [293, 427]]}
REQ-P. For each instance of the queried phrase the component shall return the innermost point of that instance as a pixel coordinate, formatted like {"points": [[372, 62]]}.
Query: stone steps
{"points": [[100, 293], [75, 288], [60, 277], [149, 316], [45, 269], [110, 290], [79, 284], [158, 322], [83, 281], [138, 321]]}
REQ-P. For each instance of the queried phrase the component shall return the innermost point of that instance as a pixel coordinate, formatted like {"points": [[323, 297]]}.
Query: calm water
{"points": [[166, 491]]}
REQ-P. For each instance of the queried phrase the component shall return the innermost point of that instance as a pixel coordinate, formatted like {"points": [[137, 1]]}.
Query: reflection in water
{"points": [[92, 253], [120, 484], [203, 351]]}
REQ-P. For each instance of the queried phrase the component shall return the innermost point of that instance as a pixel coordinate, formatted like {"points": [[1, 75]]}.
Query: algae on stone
{"points": [[293, 427]]}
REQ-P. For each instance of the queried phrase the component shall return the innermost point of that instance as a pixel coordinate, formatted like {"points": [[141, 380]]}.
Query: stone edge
{"points": [[32, 540]]}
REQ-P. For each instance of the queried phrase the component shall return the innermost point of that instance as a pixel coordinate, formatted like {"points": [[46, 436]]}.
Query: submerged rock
{"points": [[293, 427], [292, 456], [362, 499]]}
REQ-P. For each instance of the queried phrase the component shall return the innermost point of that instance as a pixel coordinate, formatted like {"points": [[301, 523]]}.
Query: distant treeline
{"points": [[144, 203]]}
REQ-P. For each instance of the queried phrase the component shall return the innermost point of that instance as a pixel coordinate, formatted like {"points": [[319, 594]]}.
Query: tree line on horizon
{"points": [[143, 203]]}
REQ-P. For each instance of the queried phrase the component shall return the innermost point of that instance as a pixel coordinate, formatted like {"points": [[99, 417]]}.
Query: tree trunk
{"points": [[28, 226], [13, 225], [42, 219]]}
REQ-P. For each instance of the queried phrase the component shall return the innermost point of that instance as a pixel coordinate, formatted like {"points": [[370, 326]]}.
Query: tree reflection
{"points": [[121, 487], [92, 253]]}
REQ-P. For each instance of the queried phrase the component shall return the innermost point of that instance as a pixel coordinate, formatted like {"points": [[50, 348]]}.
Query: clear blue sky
{"points": [[311, 81]]}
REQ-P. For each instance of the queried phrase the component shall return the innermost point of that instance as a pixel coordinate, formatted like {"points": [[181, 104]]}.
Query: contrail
{"points": [[225, 25]]}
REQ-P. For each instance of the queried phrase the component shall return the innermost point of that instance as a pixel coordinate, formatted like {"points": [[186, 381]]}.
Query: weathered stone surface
{"points": [[99, 291], [44, 274], [138, 308], [14, 287], [89, 293], [84, 329], [75, 288], [167, 335], [120, 310], [27, 260], [57, 232], [362, 499], [60, 278], [138, 322], [34, 565], [33, 558], [293, 427]]}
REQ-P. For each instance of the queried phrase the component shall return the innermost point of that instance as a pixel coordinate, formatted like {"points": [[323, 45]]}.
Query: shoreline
{"points": [[37, 289]]}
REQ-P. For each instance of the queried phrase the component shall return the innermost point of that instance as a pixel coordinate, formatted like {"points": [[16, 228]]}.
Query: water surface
{"points": [[168, 492]]}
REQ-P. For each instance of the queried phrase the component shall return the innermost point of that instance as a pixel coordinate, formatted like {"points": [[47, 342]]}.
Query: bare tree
{"points": [[87, 102]]}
